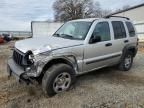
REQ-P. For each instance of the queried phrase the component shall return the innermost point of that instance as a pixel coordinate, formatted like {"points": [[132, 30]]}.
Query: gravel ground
{"points": [[105, 88]]}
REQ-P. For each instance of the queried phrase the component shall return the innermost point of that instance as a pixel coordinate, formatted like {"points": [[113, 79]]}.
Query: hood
{"points": [[45, 43]]}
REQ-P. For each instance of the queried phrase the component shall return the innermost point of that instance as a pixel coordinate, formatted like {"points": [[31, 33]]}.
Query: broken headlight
{"points": [[29, 58]]}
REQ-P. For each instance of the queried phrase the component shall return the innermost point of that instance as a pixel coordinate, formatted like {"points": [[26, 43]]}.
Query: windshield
{"points": [[74, 30]]}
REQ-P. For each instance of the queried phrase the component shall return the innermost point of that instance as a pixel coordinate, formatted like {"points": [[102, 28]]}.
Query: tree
{"points": [[67, 9], [74, 9]]}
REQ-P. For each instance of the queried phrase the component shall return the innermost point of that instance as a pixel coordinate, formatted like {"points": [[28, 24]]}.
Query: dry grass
{"points": [[141, 50], [104, 88]]}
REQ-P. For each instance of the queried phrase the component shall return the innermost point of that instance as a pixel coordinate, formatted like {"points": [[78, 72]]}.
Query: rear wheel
{"points": [[58, 79], [126, 61]]}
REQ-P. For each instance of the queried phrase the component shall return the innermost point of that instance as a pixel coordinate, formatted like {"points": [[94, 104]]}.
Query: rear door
{"points": [[120, 38]]}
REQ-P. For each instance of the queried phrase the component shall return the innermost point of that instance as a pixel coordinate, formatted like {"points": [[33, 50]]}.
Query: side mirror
{"points": [[95, 39]]}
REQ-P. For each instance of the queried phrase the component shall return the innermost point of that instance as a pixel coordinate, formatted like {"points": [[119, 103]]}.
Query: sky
{"points": [[16, 15]]}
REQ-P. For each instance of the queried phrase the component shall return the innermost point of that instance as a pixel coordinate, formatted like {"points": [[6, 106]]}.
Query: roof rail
{"points": [[117, 17]]}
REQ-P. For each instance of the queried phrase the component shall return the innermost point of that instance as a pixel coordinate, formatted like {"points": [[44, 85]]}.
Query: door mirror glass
{"points": [[95, 39]]}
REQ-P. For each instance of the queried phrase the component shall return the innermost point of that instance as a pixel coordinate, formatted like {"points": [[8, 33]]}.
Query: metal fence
{"points": [[22, 34]]}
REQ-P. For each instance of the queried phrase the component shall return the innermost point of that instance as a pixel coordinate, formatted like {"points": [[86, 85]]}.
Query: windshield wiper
{"points": [[67, 36], [56, 34], [63, 36]]}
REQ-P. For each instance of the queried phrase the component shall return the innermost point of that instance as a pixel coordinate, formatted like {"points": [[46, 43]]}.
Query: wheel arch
{"points": [[132, 49], [70, 60]]}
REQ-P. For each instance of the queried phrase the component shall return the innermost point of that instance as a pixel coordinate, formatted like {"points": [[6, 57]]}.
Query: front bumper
{"points": [[18, 72]]}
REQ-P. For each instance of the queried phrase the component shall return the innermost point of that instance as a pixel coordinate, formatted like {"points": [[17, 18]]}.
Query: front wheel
{"points": [[58, 79], [126, 62]]}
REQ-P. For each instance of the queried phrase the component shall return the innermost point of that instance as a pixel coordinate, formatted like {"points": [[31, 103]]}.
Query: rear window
{"points": [[119, 30], [130, 29]]}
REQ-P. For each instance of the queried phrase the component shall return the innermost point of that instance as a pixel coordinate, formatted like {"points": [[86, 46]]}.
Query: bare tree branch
{"points": [[74, 9]]}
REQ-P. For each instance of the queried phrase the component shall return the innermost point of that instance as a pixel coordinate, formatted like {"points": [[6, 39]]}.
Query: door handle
{"points": [[108, 44], [126, 41]]}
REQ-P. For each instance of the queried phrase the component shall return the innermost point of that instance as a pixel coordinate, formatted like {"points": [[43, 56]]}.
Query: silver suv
{"points": [[78, 47]]}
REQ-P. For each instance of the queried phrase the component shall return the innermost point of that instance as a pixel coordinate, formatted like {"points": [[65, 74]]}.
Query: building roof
{"points": [[137, 6]]}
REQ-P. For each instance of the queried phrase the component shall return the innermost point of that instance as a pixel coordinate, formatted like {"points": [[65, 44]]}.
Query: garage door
{"points": [[140, 30]]}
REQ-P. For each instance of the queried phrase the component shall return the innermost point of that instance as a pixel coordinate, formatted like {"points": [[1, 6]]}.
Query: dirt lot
{"points": [[106, 88]]}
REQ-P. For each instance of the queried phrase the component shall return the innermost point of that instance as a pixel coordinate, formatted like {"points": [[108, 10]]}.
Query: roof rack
{"points": [[117, 17]]}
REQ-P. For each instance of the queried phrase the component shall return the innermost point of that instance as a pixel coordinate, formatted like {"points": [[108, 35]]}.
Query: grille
{"points": [[18, 57]]}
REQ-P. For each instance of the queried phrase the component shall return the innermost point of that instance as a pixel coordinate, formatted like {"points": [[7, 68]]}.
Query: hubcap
{"points": [[128, 61], [62, 82]]}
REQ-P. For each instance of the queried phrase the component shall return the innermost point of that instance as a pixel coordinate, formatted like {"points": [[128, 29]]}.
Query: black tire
{"points": [[122, 66], [52, 73]]}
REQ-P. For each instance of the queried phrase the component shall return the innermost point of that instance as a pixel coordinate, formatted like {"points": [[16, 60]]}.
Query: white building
{"points": [[44, 28], [136, 14]]}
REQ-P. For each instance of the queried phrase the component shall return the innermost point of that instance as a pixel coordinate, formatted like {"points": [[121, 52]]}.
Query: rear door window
{"points": [[130, 29], [119, 29]]}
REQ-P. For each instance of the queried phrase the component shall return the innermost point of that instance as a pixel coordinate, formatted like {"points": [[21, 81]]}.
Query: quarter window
{"points": [[130, 29], [119, 30], [102, 29]]}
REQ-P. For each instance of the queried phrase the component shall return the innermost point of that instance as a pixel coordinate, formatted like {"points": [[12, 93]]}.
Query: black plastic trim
{"points": [[106, 58]]}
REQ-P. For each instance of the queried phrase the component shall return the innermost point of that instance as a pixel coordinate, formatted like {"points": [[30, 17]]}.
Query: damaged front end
{"points": [[25, 67]]}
